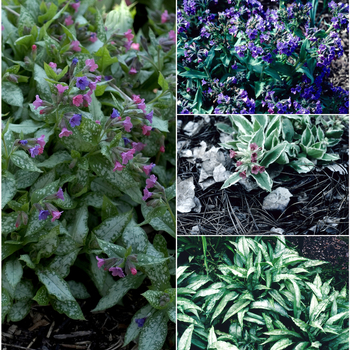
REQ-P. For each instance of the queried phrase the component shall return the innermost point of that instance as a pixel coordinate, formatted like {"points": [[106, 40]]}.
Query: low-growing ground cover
{"points": [[223, 183], [88, 166], [237, 57], [257, 293]]}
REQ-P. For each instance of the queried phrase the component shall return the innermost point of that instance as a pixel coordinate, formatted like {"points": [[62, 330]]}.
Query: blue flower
{"points": [[43, 214], [75, 120], [82, 83], [115, 114], [140, 321]]}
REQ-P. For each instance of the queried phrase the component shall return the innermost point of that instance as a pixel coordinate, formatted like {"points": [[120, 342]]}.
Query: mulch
{"points": [[319, 205]]}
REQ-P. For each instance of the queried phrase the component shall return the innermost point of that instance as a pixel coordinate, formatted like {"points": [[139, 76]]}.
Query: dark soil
{"points": [[45, 329], [319, 205]]}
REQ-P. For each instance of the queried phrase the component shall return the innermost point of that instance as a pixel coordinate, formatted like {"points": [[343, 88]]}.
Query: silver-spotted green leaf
{"points": [[154, 297], [160, 243], [57, 158], [12, 94], [24, 290], [8, 223], [26, 127], [236, 307], [55, 284], [164, 223], [136, 237], [66, 244], [186, 339], [171, 311], [198, 282], [25, 179], [67, 203], [40, 194], [19, 310], [8, 190], [282, 344], [43, 181], [223, 345], [26, 258], [8, 249], [6, 303], [134, 330], [211, 337], [102, 186], [78, 227], [170, 192], [180, 270], [187, 304], [118, 290], [69, 307], [78, 290], [62, 263], [108, 208], [157, 272], [43, 87], [154, 332], [46, 245], [184, 290], [185, 318], [92, 199], [158, 211], [112, 250], [22, 160], [266, 305], [13, 271], [112, 228]]}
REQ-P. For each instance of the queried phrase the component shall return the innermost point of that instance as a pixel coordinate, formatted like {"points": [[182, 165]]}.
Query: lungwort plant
{"points": [[237, 57], [257, 295], [88, 157], [299, 142]]}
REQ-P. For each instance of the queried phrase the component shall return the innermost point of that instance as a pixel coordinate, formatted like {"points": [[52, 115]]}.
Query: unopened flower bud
{"points": [[24, 218], [12, 78]]}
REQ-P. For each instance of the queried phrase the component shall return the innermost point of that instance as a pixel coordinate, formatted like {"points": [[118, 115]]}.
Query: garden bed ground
{"points": [[319, 205]]}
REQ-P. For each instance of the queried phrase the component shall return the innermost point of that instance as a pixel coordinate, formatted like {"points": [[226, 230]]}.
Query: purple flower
{"points": [[75, 120], [117, 271], [203, 82], [148, 168], [127, 124], [75, 61], [140, 321], [138, 146], [38, 102], [253, 146], [146, 194], [34, 151], [149, 116], [115, 114], [100, 262], [59, 194], [118, 166], [151, 181], [126, 141], [56, 215], [43, 214], [61, 89], [23, 142], [255, 169], [82, 83]]}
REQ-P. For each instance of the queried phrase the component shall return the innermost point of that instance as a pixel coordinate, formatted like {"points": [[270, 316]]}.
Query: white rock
{"points": [[278, 199], [185, 195], [220, 173]]}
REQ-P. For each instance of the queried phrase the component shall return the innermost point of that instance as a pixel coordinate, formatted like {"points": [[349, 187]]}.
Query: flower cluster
{"points": [[35, 146], [116, 265], [252, 58], [46, 208], [248, 163]]}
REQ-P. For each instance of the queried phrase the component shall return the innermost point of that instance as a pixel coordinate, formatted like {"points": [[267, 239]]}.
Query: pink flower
{"points": [[128, 34], [132, 71], [98, 122], [93, 66], [128, 156], [68, 21], [117, 271], [75, 6], [40, 141], [148, 168], [146, 194], [127, 124], [133, 271], [61, 89], [172, 36], [253, 146], [165, 16], [255, 169], [261, 169], [162, 149], [146, 130], [38, 102], [53, 65], [100, 262], [239, 163], [77, 100], [98, 79], [232, 153], [118, 166], [137, 99], [254, 157], [93, 37], [56, 215], [243, 174], [135, 46], [75, 45], [139, 146], [65, 132], [151, 181]]}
